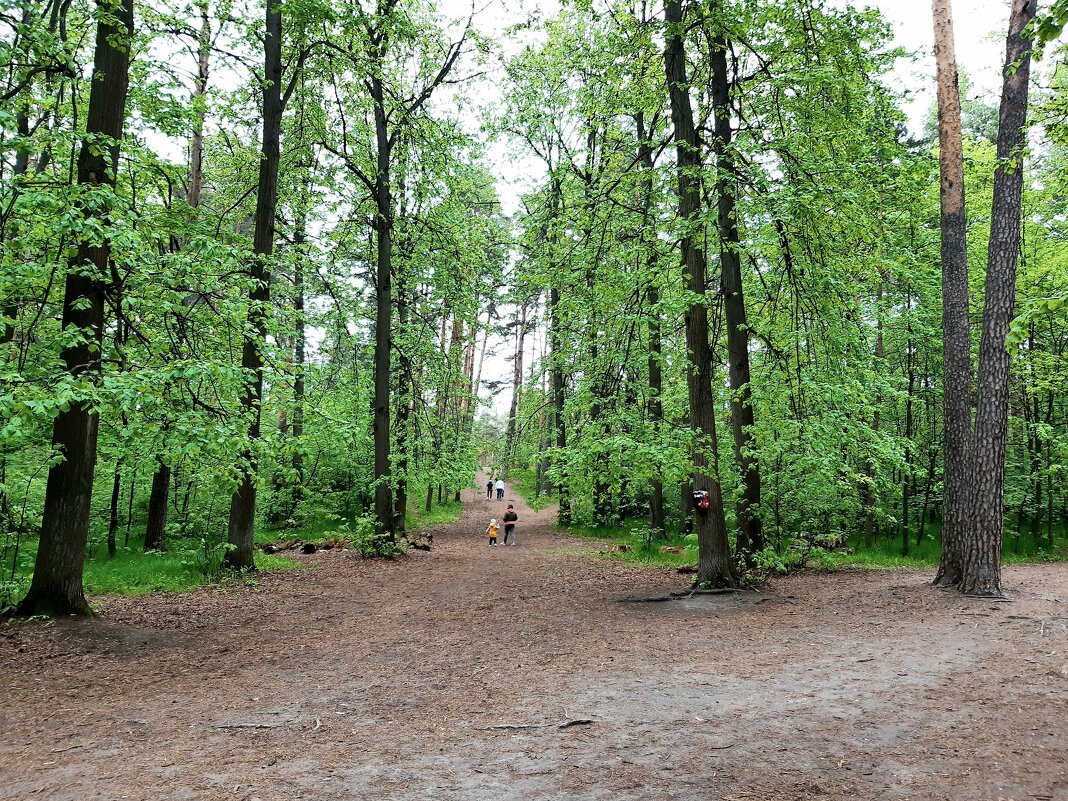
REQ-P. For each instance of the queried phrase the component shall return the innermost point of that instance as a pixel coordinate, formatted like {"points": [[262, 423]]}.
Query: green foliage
{"points": [[370, 542], [632, 543]]}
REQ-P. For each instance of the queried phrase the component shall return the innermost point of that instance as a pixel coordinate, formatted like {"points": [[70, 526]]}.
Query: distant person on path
{"points": [[489, 489], [510, 517], [500, 489], [492, 532]]}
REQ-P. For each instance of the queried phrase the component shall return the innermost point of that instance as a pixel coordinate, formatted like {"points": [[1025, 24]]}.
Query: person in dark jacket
{"points": [[510, 518]]}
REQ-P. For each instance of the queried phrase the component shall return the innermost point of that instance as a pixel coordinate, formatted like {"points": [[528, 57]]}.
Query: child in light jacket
{"points": [[492, 532]]}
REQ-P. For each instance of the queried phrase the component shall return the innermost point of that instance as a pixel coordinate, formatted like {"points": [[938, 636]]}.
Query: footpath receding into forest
{"points": [[484, 673]]}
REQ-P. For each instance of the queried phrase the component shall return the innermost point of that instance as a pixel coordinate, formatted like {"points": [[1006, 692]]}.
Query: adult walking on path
{"points": [[500, 489], [509, 519]]}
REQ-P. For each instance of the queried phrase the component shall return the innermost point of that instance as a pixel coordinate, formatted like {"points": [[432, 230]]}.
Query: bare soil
{"points": [[452, 675]]}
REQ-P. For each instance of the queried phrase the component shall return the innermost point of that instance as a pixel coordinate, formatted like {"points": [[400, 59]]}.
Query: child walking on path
{"points": [[492, 532], [510, 518]]}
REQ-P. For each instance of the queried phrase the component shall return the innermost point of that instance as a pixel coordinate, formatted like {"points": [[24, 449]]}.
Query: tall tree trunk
{"points": [[750, 529], [956, 337], [517, 382], [404, 399], [200, 89], [299, 358], [715, 567], [557, 380], [383, 308], [243, 504], [160, 495], [563, 515], [982, 544], [907, 473], [56, 587], [871, 520], [657, 524]]}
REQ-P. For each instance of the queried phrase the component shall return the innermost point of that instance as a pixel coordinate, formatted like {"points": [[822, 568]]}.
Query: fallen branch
{"points": [[277, 725], [565, 725]]}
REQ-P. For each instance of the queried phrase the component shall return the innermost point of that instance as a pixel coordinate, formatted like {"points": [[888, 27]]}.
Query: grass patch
{"points": [[188, 565], [887, 553], [132, 572], [523, 482], [418, 517]]}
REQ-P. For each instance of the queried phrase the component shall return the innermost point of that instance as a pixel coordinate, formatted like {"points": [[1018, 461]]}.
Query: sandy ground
{"points": [[454, 674]]}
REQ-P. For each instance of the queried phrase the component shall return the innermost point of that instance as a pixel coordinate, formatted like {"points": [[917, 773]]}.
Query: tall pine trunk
{"points": [[956, 337], [986, 526], [56, 587]]}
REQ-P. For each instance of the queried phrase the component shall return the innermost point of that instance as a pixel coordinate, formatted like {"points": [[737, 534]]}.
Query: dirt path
{"points": [[410, 679]]}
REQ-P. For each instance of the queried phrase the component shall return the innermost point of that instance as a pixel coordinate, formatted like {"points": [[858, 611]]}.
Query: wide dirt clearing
{"points": [[453, 675]]}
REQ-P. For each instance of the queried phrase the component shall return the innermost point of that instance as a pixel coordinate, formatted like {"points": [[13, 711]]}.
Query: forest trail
{"points": [[452, 675]]}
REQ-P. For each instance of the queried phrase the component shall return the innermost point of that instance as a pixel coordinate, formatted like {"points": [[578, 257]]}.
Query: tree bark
{"points": [[981, 573], [558, 381], [56, 587], [715, 567], [655, 408], [383, 310], [113, 511], [243, 504], [956, 337], [517, 383], [156, 527], [750, 529]]}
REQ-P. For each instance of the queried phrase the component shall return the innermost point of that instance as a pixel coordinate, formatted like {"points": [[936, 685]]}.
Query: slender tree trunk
{"points": [[383, 310], [157, 515], [982, 545], [56, 587], [129, 510], [113, 511], [750, 529], [563, 515], [655, 408], [957, 367], [243, 504], [299, 359], [715, 566], [200, 90], [871, 520], [557, 379], [517, 382], [907, 475], [404, 390]]}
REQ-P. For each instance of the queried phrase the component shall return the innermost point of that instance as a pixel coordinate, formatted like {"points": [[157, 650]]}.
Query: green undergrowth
{"points": [[523, 481], [439, 514], [132, 572], [631, 542], [359, 534], [187, 565]]}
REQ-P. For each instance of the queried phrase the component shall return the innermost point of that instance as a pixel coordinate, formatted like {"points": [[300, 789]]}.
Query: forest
{"points": [[254, 257]]}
